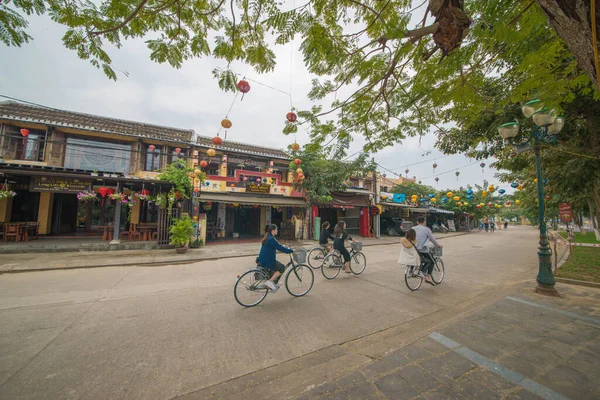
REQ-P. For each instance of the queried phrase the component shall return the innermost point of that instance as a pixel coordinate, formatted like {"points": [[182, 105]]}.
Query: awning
{"points": [[419, 210], [346, 199], [237, 198], [441, 211], [394, 205]]}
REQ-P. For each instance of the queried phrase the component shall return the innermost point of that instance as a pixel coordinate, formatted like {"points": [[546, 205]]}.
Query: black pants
{"points": [[428, 262], [344, 252]]}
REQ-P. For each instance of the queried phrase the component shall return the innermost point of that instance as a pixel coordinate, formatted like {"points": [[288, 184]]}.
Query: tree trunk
{"points": [[571, 20]]}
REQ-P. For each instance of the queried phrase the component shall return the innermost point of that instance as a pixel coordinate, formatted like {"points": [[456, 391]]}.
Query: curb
{"points": [[172, 262], [578, 283]]}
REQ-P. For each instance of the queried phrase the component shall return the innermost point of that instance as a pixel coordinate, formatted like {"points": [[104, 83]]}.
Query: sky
{"points": [[45, 72]]}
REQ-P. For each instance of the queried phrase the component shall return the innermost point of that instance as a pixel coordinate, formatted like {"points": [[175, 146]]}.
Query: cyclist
{"points": [[408, 251], [492, 225], [266, 257], [325, 236], [340, 236], [424, 235]]}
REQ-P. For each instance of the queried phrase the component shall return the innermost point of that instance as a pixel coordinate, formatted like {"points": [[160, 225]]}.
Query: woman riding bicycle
{"points": [[266, 257], [340, 236], [325, 236]]}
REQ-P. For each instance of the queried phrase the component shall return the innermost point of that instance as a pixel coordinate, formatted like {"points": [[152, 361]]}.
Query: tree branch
{"points": [[122, 24], [377, 15]]}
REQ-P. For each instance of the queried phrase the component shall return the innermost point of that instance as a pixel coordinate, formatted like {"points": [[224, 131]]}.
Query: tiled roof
{"points": [[237, 147], [51, 116]]}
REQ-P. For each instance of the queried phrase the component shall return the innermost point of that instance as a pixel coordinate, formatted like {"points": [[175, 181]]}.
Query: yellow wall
{"points": [[45, 212], [5, 209], [202, 223]]}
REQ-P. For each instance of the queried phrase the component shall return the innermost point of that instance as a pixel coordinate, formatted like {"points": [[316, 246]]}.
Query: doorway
{"points": [[64, 214], [246, 221]]}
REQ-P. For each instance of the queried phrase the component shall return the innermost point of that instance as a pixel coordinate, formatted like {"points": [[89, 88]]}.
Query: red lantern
{"points": [[479, 206], [111, 191], [196, 189], [177, 150], [245, 179], [232, 185], [151, 147], [297, 161], [24, 132], [243, 86], [103, 192], [145, 192], [291, 116], [217, 140], [301, 176], [203, 164], [490, 204], [178, 195]]}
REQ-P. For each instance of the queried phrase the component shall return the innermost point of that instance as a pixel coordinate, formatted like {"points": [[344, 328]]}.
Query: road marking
{"points": [[508, 374], [570, 314]]}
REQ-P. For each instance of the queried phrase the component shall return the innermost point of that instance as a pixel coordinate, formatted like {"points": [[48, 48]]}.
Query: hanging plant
{"points": [[86, 196], [116, 196], [5, 194]]}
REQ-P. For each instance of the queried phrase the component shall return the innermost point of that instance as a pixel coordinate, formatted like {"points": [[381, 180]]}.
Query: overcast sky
{"points": [[44, 72]]}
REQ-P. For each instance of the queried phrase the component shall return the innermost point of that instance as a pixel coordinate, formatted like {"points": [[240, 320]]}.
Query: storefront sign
{"points": [[58, 185], [451, 226], [258, 188], [565, 212]]}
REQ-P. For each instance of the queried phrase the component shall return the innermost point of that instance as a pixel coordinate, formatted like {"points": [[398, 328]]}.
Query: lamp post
{"points": [[546, 126]]}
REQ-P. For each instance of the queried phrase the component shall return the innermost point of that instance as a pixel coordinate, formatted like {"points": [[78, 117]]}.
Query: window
{"points": [[231, 171], [174, 156], [152, 158], [29, 148], [92, 155], [212, 169]]}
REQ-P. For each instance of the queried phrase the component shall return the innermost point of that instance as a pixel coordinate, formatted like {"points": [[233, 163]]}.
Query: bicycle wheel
{"points": [[250, 289], [412, 278], [331, 266], [358, 263], [299, 280], [438, 271], [316, 257]]}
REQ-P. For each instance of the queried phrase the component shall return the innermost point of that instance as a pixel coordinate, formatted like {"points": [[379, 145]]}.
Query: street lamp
{"points": [[546, 126]]}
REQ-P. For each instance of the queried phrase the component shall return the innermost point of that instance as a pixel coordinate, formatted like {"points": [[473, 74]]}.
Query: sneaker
{"points": [[421, 274], [271, 286]]}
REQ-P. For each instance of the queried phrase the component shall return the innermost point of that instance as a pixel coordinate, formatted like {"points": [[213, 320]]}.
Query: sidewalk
{"points": [[26, 262], [518, 345]]}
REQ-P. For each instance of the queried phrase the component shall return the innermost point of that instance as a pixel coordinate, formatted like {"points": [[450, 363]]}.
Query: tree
{"points": [[409, 188], [326, 170]]}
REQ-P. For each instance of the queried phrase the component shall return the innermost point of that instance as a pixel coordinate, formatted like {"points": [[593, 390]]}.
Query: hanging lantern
{"points": [[482, 165], [191, 175], [25, 132], [243, 87], [196, 181], [177, 150], [520, 187], [469, 192], [535, 180], [297, 161], [291, 116], [483, 193], [508, 203], [207, 183], [232, 185], [197, 172], [211, 152], [217, 140], [518, 202], [226, 123], [434, 167], [444, 200], [491, 188], [196, 189], [299, 171], [406, 171], [257, 180], [433, 200], [479, 206], [437, 180], [514, 185], [301, 176], [103, 192], [456, 198], [490, 204], [457, 174], [449, 194], [203, 164], [419, 182], [295, 146], [151, 147], [465, 204], [431, 195], [459, 204], [545, 181], [264, 180], [501, 191], [245, 179]]}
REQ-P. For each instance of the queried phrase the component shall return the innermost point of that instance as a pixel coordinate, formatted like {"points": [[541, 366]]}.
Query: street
{"points": [[162, 332]]}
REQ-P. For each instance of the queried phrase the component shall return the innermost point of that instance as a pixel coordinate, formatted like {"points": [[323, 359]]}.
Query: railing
{"points": [[22, 148]]}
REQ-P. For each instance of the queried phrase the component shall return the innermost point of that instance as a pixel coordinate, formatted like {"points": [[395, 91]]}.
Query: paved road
{"points": [[160, 332]]}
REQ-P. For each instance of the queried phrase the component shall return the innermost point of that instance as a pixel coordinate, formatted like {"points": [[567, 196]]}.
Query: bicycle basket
{"points": [[435, 251], [300, 256], [357, 246]]}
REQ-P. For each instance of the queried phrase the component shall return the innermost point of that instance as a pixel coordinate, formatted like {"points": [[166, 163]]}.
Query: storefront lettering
{"points": [[258, 188], [58, 185]]}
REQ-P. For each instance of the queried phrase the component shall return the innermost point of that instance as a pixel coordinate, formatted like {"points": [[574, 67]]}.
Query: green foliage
{"points": [[410, 188], [326, 170], [583, 265], [181, 231]]}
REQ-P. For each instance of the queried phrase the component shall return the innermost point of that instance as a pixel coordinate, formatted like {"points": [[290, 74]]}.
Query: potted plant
{"points": [[94, 173], [181, 232]]}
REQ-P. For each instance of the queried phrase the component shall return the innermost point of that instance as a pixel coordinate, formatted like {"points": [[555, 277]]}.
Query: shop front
{"points": [[352, 207], [245, 215]]}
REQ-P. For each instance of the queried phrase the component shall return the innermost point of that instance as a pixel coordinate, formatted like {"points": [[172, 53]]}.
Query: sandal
{"points": [[430, 282]]}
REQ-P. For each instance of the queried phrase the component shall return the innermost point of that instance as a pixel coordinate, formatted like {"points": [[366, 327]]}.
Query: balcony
{"points": [[20, 148]]}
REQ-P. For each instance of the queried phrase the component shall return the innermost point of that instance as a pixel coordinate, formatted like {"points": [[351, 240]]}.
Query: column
{"points": [[45, 212], [223, 169], [263, 219], [5, 209], [135, 212]]}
